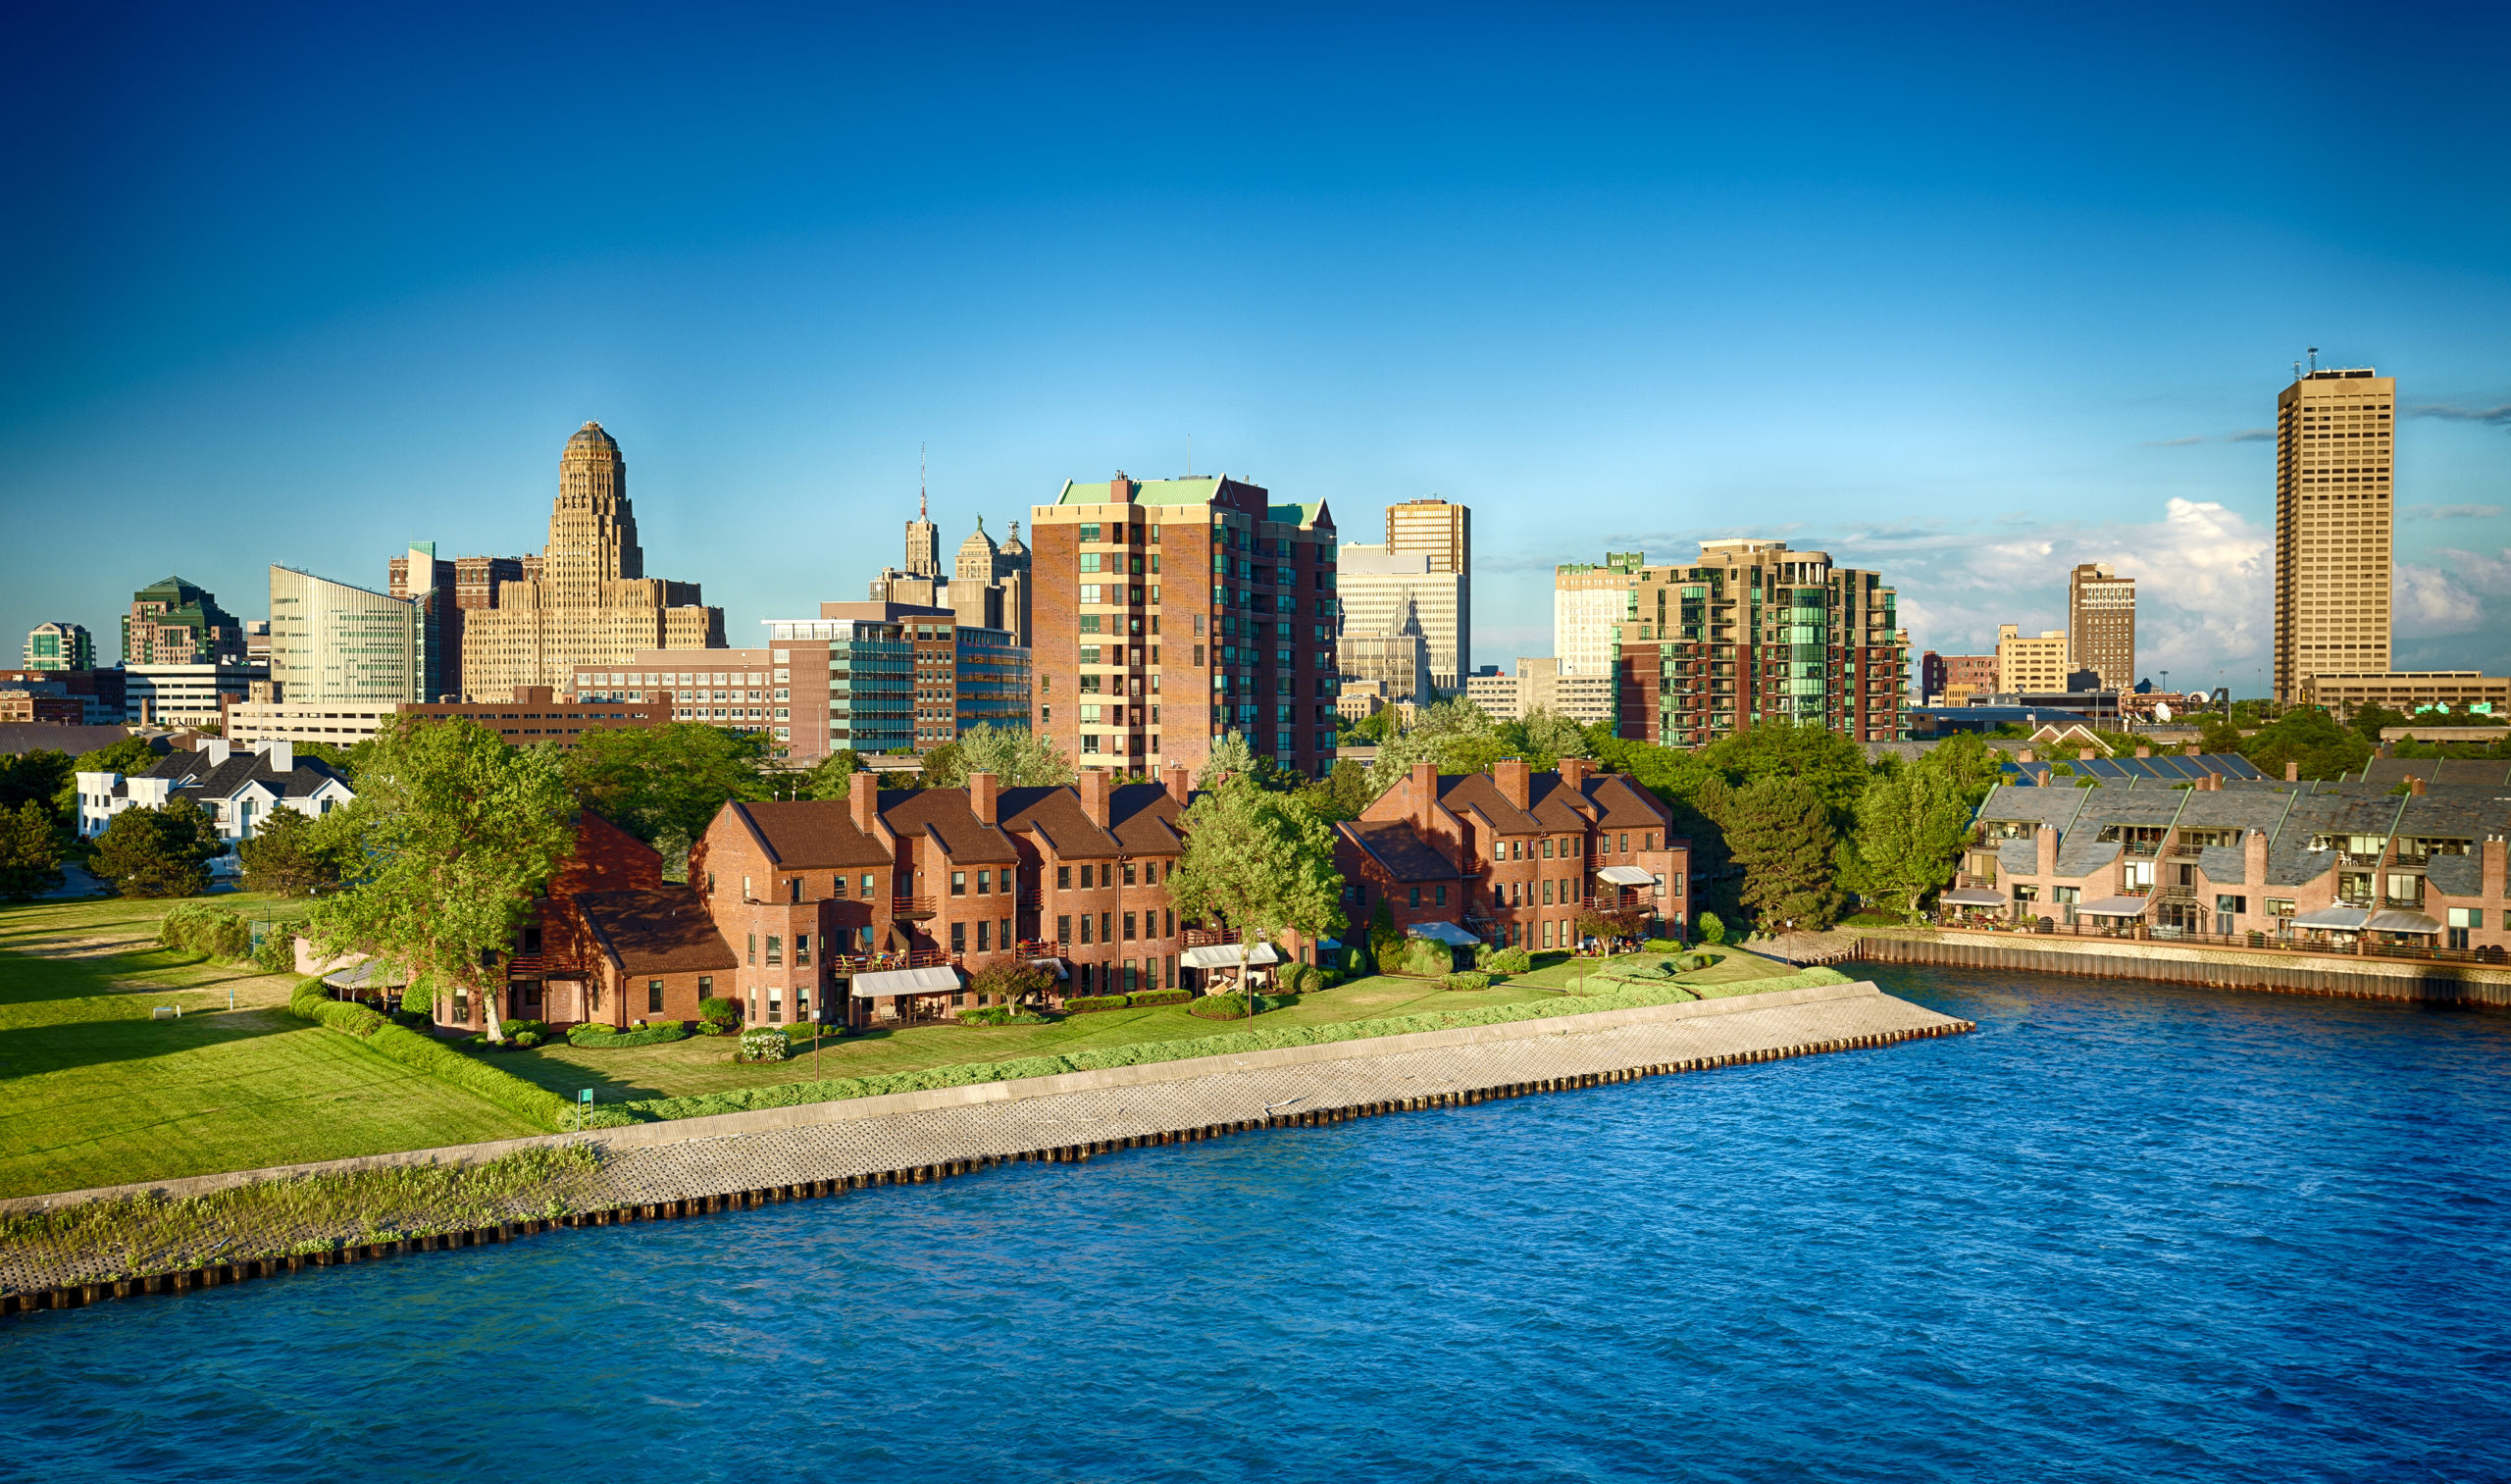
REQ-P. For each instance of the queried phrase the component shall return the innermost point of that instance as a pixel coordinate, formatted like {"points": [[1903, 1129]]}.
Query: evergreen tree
{"points": [[1779, 832], [161, 852], [36, 775], [29, 850], [289, 857]]}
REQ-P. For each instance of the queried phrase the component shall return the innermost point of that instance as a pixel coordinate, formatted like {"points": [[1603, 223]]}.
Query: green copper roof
{"points": [[1295, 515], [1194, 492]]}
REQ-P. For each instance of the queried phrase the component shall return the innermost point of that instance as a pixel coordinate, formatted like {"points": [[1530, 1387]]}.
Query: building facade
{"points": [[237, 787], [1382, 590], [185, 696], [330, 642], [1541, 685], [531, 714], [2101, 624], [1589, 604], [59, 646], [176, 622], [1952, 678], [1442, 534], [1246, 603], [2333, 520], [589, 604], [98, 693], [2462, 691], [2025, 663], [1395, 667]]}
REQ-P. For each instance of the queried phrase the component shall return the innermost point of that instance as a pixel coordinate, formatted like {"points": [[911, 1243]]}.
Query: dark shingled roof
{"points": [[1623, 804], [1145, 818], [944, 814], [812, 832], [655, 932], [2223, 865], [2393, 771], [225, 779], [1058, 812], [1392, 843], [1550, 805]]}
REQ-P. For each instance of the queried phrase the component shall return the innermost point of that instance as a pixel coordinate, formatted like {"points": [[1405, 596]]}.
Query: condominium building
{"points": [[2333, 517], [2025, 663], [1589, 603], [60, 646], [1442, 534], [330, 642], [1756, 632], [1381, 591], [1543, 685], [239, 787], [176, 622], [1247, 600], [2101, 624], [591, 602]]}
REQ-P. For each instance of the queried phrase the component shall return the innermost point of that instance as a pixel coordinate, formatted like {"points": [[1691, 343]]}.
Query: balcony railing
{"points": [[901, 958], [912, 906], [2283, 941]]}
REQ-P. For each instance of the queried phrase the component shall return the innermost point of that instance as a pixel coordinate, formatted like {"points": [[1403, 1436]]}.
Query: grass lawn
{"points": [[704, 1064], [96, 1091]]}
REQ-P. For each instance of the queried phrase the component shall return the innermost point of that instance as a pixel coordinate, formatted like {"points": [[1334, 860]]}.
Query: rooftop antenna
{"points": [[919, 482], [1189, 455], [2314, 359]]}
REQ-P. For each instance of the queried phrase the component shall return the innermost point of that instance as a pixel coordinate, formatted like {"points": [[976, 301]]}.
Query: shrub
{"points": [[1083, 1004], [515, 1028], [1001, 1014], [1467, 981], [602, 1037], [765, 1042], [714, 1028], [1426, 958], [1011, 983], [1507, 961], [1150, 998], [720, 1011], [1299, 978], [1228, 1006], [196, 927], [1711, 929], [423, 1053], [278, 952], [1354, 961], [527, 1039], [1661, 946]]}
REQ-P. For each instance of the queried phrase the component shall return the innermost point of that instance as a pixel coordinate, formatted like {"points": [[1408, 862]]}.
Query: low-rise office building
{"points": [[185, 696], [1541, 685]]}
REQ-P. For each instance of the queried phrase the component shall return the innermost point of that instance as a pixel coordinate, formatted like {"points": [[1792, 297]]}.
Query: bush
{"points": [[196, 927], [1011, 983], [1467, 981], [1083, 1004], [527, 1039], [602, 1037], [718, 1010], [1507, 961], [1229, 1007], [1299, 978], [714, 1028], [1711, 929], [423, 1053], [1425, 957], [1148, 998], [765, 1042], [515, 1028], [1001, 1014], [278, 952]]}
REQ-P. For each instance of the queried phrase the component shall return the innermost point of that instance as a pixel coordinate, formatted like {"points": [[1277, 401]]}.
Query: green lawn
{"points": [[96, 1091], [704, 1064]]}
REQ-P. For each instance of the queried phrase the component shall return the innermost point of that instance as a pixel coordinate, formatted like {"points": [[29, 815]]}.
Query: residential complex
{"points": [[239, 787], [591, 602], [1750, 633], [2333, 438], [175, 621], [2025, 663], [1382, 591], [1512, 858], [2101, 624], [1247, 602], [85, 697], [330, 642], [1542, 685], [60, 646]]}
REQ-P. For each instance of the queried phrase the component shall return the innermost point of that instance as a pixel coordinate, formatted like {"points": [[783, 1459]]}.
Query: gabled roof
{"points": [[1055, 812], [645, 930], [196, 773], [801, 834], [943, 815], [1623, 804], [1144, 816], [1401, 853], [1460, 792]]}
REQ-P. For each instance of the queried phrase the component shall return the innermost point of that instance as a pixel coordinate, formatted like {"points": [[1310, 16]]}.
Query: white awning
{"points": [[1224, 955], [1626, 876], [2339, 918], [2114, 907], [368, 974], [2402, 922], [1443, 931], [936, 979], [1972, 896]]}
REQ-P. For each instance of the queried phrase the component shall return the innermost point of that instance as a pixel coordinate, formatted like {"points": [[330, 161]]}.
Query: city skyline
{"points": [[1618, 321]]}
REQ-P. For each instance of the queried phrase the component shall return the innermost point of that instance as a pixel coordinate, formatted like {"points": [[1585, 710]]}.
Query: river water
{"points": [[2121, 1232]]}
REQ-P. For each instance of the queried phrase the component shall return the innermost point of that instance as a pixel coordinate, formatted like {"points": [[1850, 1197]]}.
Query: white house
{"points": [[238, 786]]}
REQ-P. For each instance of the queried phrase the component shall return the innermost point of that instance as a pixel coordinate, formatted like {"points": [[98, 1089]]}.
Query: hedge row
{"points": [[1144, 1053], [428, 1055], [1150, 998], [1084, 1004], [602, 1037]]}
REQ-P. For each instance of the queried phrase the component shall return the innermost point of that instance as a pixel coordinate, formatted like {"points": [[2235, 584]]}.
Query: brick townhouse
{"points": [[1511, 856], [2327, 864]]}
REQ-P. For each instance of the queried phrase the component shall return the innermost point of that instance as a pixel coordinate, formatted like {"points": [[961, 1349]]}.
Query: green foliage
{"points": [[1374, 729], [1012, 981], [1340, 794], [765, 1042], [1001, 1014], [650, 779], [1084, 1004], [1505, 961], [832, 775], [277, 955], [602, 1037], [426, 1055], [1230, 757], [1543, 736], [29, 850], [160, 851], [36, 777], [1467, 981], [1386, 941], [1455, 735], [1426, 958], [1779, 830], [1018, 759], [1965, 762], [1223, 1044], [1149, 998], [293, 854], [717, 1012], [455, 832], [1226, 1006], [128, 757], [1261, 861], [1300, 979], [714, 1028], [196, 927], [1911, 823], [417, 997], [1711, 929], [2306, 736], [341, 759]]}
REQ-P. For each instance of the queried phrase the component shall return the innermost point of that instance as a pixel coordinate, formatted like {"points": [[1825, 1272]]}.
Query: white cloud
{"points": [[2426, 600], [2453, 512]]}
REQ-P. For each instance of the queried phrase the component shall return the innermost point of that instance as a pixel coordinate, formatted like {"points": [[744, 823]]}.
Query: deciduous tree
{"points": [[1016, 757], [1910, 826], [650, 779], [1261, 861]]}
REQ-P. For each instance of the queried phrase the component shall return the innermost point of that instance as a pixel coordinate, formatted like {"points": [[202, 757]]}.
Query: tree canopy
{"points": [[1261, 861], [666, 782], [35, 777], [1911, 823], [295, 854], [456, 832], [1016, 757], [1779, 830], [29, 849], [160, 851]]}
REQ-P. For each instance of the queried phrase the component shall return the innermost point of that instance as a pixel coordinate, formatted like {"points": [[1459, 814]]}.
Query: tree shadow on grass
{"points": [[67, 1045]]}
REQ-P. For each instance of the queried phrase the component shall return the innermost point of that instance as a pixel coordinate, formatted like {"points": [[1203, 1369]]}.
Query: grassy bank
{"points": [[99, 1093]]}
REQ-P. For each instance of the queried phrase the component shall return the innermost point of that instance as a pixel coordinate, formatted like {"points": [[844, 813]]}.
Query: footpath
{"points": [[736, 1160]]}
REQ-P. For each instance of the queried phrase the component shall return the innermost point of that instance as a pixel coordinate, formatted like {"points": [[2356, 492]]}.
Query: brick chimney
{"points": [[2086, 754], [1181, 783], [2044, 853], [2490, 875], [2191, 750], [983, 790], [2253, 860], [2025, 756], [2292, 771], [1574, 770], [1093, 795], [864, 802], [1516, 781], [1422, 793], [2144, 751], [2415, 786]]}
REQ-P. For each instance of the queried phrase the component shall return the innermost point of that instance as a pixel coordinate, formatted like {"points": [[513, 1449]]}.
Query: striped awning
{"points": [[2339, 919], [1443, 931], [2404, 922], [1224, 955], [1626, 876]]}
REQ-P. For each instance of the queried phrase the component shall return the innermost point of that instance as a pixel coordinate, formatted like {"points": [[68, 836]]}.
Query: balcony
{"points": [[913, 908], [1976, 881], [2178, 852], [905, 958], [2354, 858]]}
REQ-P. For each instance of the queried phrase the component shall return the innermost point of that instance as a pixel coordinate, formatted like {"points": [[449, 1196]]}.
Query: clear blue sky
{"points": [[1966, 294]]}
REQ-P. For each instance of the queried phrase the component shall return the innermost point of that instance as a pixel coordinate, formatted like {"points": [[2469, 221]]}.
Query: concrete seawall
{"points": [[2335, 975], [692, 1166]]}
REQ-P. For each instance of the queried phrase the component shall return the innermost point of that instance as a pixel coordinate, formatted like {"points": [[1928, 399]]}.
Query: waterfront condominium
{"points": [[1138, 666], [591, 602], [2333, 525], [1753, 632], [2101, 624]]}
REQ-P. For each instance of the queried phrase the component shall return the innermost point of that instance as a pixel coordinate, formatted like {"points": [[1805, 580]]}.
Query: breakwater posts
{"points": [[2208, 968], [657, 1178]]}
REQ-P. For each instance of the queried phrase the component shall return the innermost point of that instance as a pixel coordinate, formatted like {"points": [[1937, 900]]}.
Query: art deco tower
{"points": [[592, 530], [2333, 525]]}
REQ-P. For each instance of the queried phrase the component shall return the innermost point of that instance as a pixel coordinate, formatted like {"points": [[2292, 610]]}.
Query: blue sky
{"points": [[1966, 294]]}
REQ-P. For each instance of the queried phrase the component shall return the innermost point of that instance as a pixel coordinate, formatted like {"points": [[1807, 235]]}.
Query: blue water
{"points": [[2121, 1232]]}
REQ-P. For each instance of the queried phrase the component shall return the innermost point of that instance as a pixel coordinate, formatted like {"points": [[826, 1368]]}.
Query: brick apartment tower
{"points": [[1167, 612], [2101, 624], [2333, 524]]}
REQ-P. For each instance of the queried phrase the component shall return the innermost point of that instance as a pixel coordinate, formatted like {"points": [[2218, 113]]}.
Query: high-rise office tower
{"points": [[176, 622], [923, 542], [588, 601], [1588, 604], [330, 642], [1443, 533], [2333, 525], [2101, 624]]}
